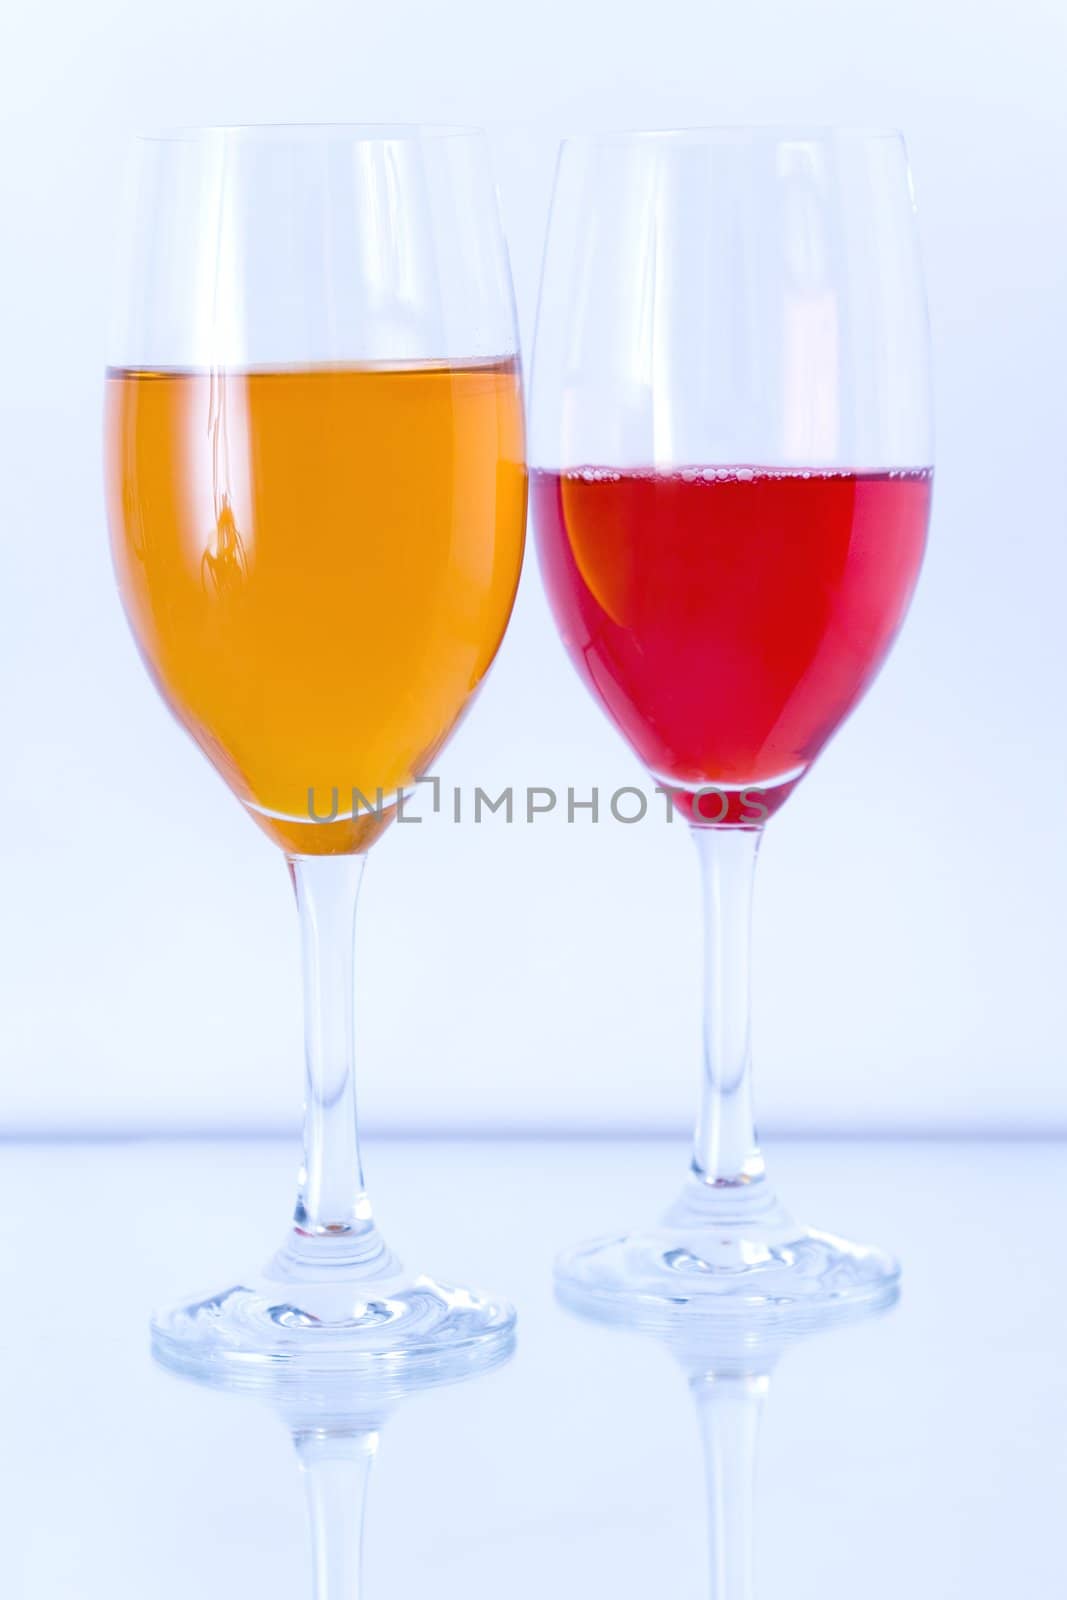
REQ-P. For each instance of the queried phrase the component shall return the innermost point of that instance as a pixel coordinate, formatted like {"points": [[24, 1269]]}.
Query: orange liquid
{"points": [[318, 567]]}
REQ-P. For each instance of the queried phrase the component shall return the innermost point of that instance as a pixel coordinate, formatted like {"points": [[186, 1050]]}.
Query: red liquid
{"points": [[729, 621]]}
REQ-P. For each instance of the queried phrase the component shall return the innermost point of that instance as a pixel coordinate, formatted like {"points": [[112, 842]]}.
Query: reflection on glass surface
{"points": [[335, 1420], [728, 1361]]}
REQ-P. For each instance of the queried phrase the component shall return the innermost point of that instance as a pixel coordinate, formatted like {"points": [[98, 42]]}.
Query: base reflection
{"points": [[335, 1420], [728, 1361]]}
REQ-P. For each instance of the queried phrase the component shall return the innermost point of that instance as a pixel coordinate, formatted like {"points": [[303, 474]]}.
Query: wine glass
{"points": [[731, 477], [317, 496]]}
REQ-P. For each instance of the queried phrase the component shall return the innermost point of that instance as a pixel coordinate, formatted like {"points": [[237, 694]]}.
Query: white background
{"points": [[909, 940]]}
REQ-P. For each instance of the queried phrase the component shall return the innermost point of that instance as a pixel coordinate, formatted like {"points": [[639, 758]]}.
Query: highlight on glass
{"points": [[731, 460], [317, 496]]}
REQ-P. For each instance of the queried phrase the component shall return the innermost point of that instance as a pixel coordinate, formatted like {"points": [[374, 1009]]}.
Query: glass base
{"points": [[301, 1319], [737, 1256]]}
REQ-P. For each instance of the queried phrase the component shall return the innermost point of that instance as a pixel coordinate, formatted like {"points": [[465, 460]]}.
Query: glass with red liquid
{"points": [[732, 451]]}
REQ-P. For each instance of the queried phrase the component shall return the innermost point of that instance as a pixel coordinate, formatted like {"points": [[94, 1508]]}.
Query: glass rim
{"points": [[352, 132], [740, 133]]}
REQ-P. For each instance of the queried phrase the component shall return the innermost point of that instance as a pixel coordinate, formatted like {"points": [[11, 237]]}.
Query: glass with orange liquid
{"points": [[317, 497]]}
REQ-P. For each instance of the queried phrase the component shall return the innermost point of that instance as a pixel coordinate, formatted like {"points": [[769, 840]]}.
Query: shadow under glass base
{"points": [[316, 1316], [725, 1255]]}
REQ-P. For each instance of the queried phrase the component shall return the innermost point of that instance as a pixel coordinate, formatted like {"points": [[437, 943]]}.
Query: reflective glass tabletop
{"points": [[922, 1451]]}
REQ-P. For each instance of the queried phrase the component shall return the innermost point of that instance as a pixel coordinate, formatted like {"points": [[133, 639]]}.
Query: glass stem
{"points": [[726, 1153], [333, 1217], [336, 1470]]}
